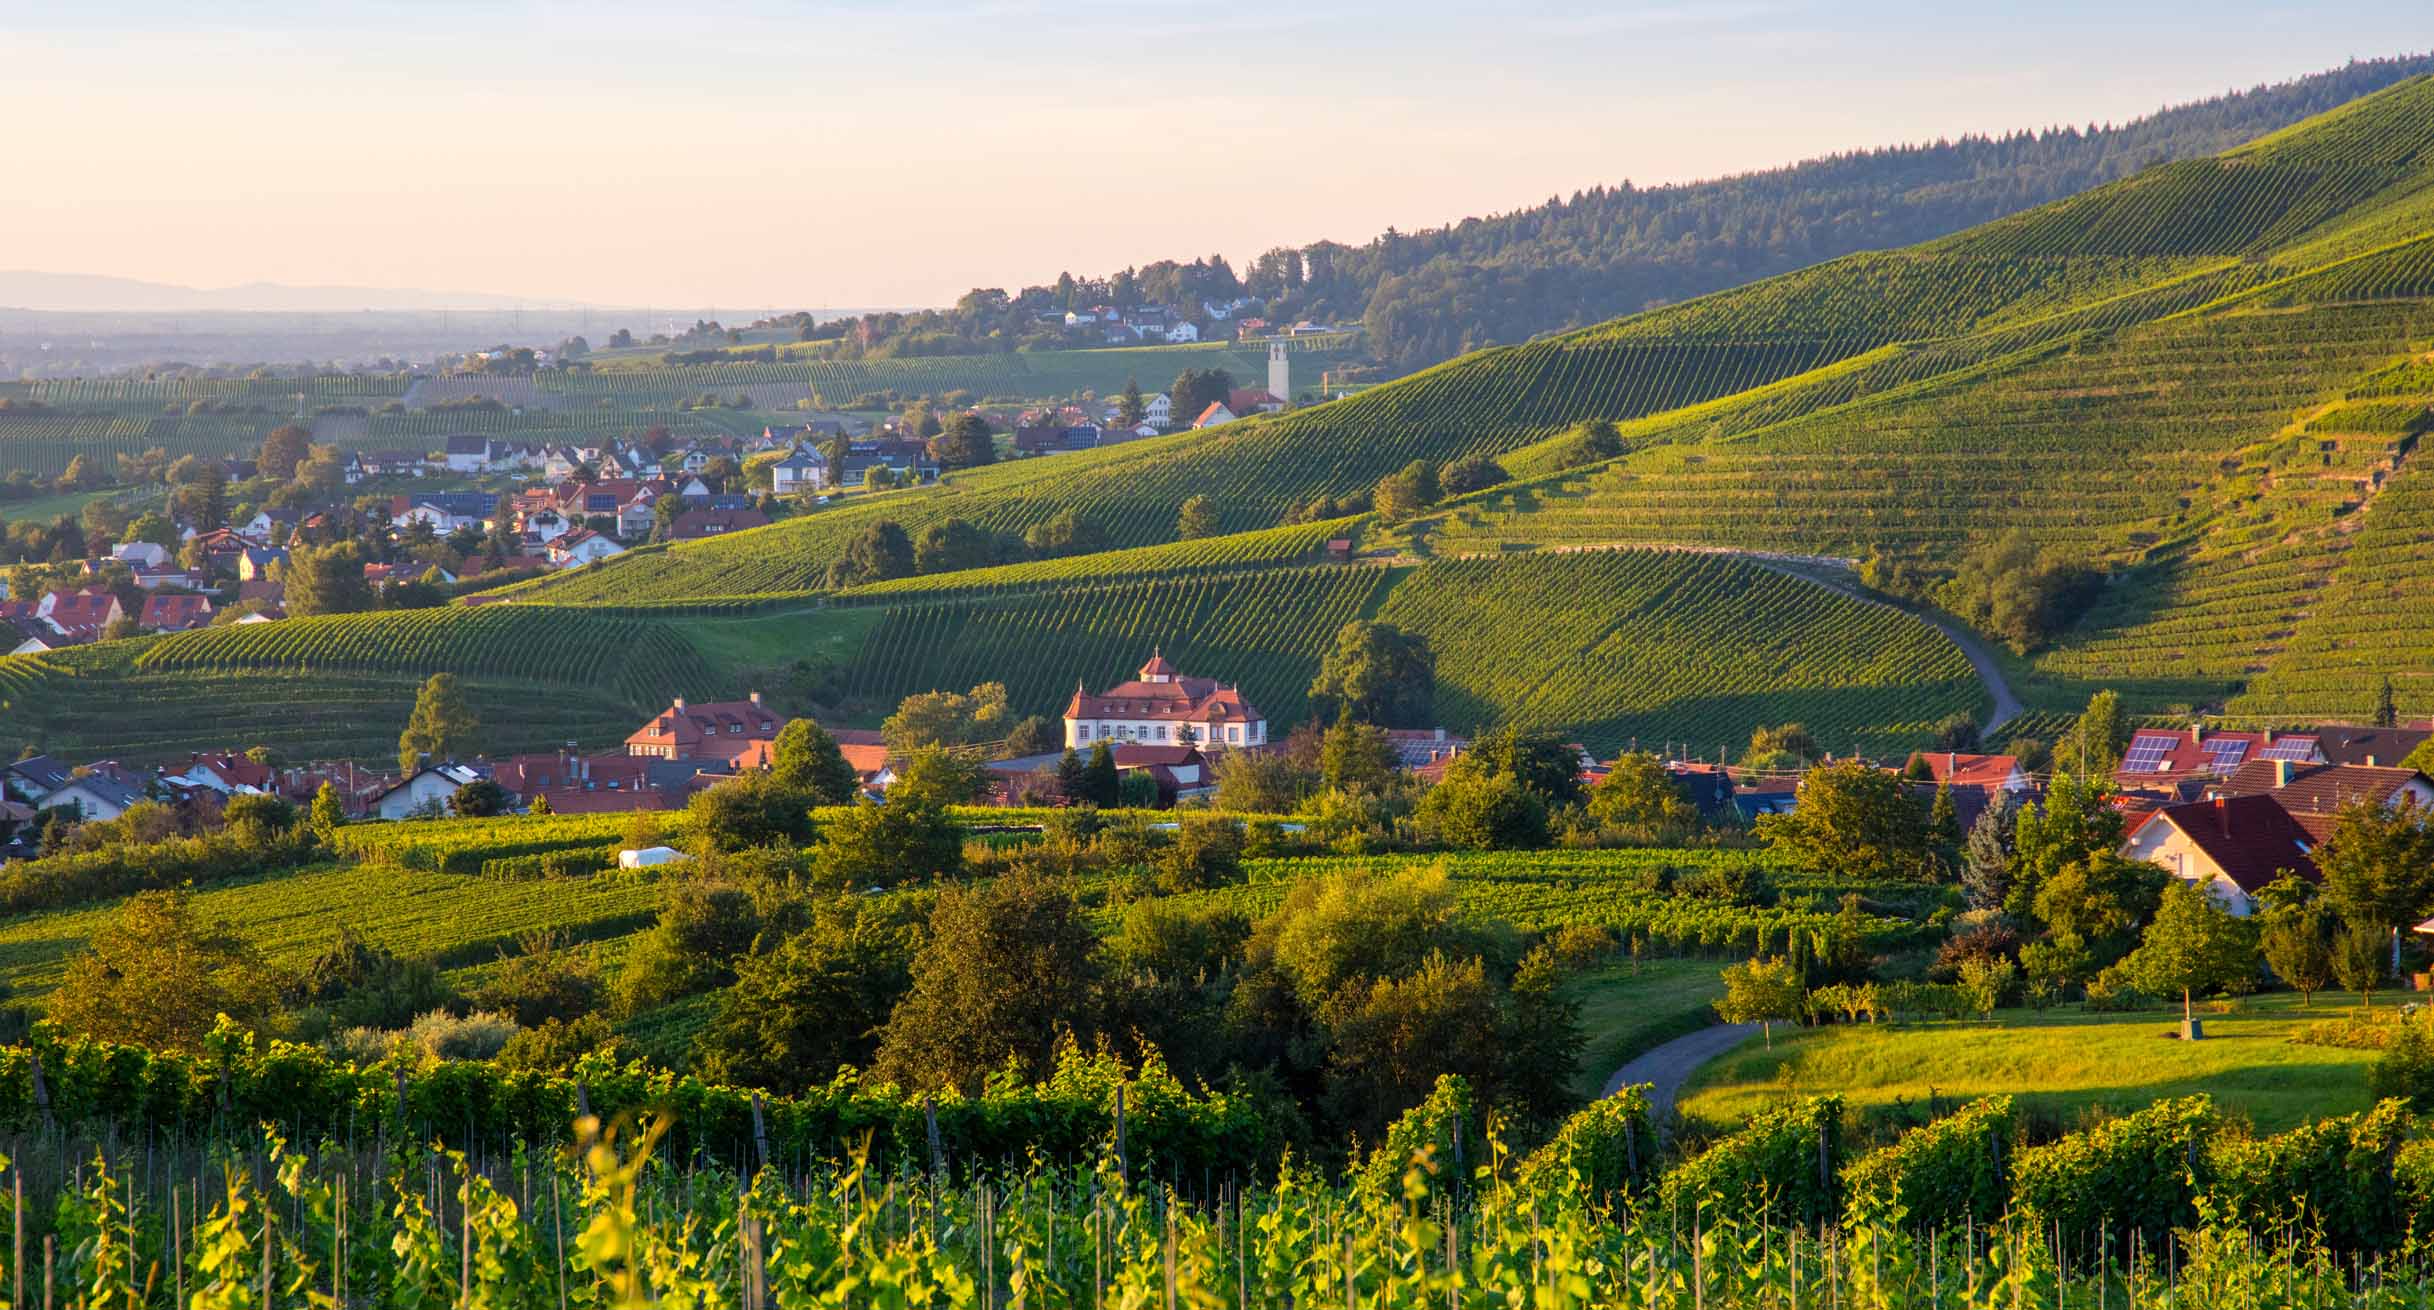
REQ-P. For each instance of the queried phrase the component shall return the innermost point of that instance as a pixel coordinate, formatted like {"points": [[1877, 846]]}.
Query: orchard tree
{"points": [[2298, 947], [1197, 519], [1852, 820], [1764, 992], [2193, 944], [1640, 794], [805, 758]]}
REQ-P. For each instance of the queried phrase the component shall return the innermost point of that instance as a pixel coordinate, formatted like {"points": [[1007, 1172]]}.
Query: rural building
{"points": [[716, 730], [1215, 414], [426, 791], [2233, 844], [1161, 707]]}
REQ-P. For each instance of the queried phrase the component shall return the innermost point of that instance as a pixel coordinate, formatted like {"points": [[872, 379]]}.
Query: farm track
{"points": [[1668, 1068]]}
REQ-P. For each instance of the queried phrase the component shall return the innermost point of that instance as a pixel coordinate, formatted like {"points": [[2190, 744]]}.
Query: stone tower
{"points": [[1280, 372]]}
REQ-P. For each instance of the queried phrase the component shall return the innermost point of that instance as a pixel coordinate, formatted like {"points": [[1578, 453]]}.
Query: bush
{"points": [[556, 1045], [2405, 1071], [1986, 984], [547, 981], [481, 1035], [2336, 1175]]}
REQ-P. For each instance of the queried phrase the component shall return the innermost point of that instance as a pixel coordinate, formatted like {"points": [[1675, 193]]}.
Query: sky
{"points": [[834, 153]]}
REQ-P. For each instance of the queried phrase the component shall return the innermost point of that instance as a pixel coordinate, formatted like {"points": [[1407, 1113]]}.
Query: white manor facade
{"points": [[1162, 707]]}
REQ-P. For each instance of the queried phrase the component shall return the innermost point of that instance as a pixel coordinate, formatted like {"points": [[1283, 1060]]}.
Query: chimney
{"points": [[2281, 773], [756, 698], [2370, 761], [680, 704], [2222, 813], [2197, 734]]}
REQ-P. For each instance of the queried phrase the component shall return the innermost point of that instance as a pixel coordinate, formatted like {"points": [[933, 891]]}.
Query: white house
{"points": [[803, 470], [140, 554], [1160, 410], [426, 792], [467, 453], [1161, 707], [580, 547], [98, 797], [2237, 841], [1214, 415], [1182, 332]]}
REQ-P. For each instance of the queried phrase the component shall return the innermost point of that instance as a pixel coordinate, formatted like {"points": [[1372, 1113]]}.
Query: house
{"points": [[1417, 747], [141, 555], [580, 547], [467, 452], [84, 613], [1159, 410], [254, 563], [1180, 772], [1215, 414], [2235, 844], [693, 525], [2343, 743], [273, 527], [426, 791], [1251, 327], [446, 511], [716, 730], [1182, 332], [99, 795], [33, 778], [1160, 706], [636, 516], [1053, 439], [543, 526], [803, 469], [366, 464], [2157, 758], [1253, 400], [225, 772], [1959, 769], [174, 613]]}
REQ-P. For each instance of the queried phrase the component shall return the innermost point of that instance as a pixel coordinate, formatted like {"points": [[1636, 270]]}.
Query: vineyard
{"points": [[645, 663]]}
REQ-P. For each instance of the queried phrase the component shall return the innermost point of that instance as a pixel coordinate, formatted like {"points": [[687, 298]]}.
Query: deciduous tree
{"points": [[1377, 673]]}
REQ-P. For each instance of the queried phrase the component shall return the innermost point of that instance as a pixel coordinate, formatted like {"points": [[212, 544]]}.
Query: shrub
{"points": [[2405, 1070], [1603, 1151], [481, 1035], [2142, 1173], [2334, 1175]]}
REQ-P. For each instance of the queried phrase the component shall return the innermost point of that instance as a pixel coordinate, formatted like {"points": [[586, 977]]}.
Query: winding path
{"points": [[1667, 1067], [2006, 707]]}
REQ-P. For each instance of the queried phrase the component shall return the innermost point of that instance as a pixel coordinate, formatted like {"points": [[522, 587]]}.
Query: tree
{"points": [[1986, 855], [1073, 778], [2192, 945], [1852, 820], [1377, 673], [441, 727], [1197, 519], [1762, 992], [1406, 491], [1261, 782], [2360, 960], [478, 799], [964, 443], [947, 718], [1639, 794], [1786, 748], [878, 553], [1099, 781], [1130, 408], [153, 527], [795, 1014], [1357, 757], [931, 776], [2378, 865], [2297, 942], [1065, 533], [155, 976], [952, 545], [2097, 903], [1465, 476], [2075, 823], [2092, 747], [326, 580], [806, 759], [1477, 810], [1542, 761], [328, 813], [753, 810], [1009, 969], [2011, 590], [2387, 709], [909, 839], [282, 450]]}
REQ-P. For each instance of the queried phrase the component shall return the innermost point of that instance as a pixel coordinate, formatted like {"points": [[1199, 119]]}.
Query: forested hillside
{"points": [[1428, 295]]}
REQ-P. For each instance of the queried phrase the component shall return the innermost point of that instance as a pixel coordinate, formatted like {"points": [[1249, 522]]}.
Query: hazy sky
{"points": [[857, 152]]}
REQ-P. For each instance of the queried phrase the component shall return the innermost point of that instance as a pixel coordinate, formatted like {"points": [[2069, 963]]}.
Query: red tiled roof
{"points": [[1962, 770], [2252, 839], [716, 730], [175, 613]]}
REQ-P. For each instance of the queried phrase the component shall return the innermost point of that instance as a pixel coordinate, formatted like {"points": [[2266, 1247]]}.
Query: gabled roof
{"points": [[1963, 770], [2343, 743], [2251, 839]]}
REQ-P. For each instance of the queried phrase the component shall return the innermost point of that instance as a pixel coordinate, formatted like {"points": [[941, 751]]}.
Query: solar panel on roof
{"points": [[2146, 754], [2226, 752], [2290, 748]]}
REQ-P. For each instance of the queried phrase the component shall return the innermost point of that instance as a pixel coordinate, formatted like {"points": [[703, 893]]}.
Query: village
{"points": [[2230, 811], [476, 513]]}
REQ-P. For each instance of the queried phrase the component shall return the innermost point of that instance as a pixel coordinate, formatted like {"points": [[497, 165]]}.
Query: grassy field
{"points": [[2062, 1064], [1630, 1006]]}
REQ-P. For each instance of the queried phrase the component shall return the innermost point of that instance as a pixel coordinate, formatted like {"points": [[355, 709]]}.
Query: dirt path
{"points": [[2007, 706], [1666, 1068]]}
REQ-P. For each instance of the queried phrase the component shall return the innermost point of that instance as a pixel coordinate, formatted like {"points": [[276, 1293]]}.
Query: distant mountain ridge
{"points": [[95, 293]]}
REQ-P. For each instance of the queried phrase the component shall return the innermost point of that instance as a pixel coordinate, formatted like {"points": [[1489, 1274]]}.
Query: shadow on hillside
{"points": [[1843, 719]]}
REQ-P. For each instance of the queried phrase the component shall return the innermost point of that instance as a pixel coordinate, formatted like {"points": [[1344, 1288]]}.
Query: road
{"points": [[1666, 1068]]}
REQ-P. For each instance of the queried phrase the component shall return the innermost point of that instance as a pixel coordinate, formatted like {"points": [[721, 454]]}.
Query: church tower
{"points": [[1280, 372]]}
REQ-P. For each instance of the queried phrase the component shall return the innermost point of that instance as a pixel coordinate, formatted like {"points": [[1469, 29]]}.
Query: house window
{"points": [[1233, 734], [1162, 732]]}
